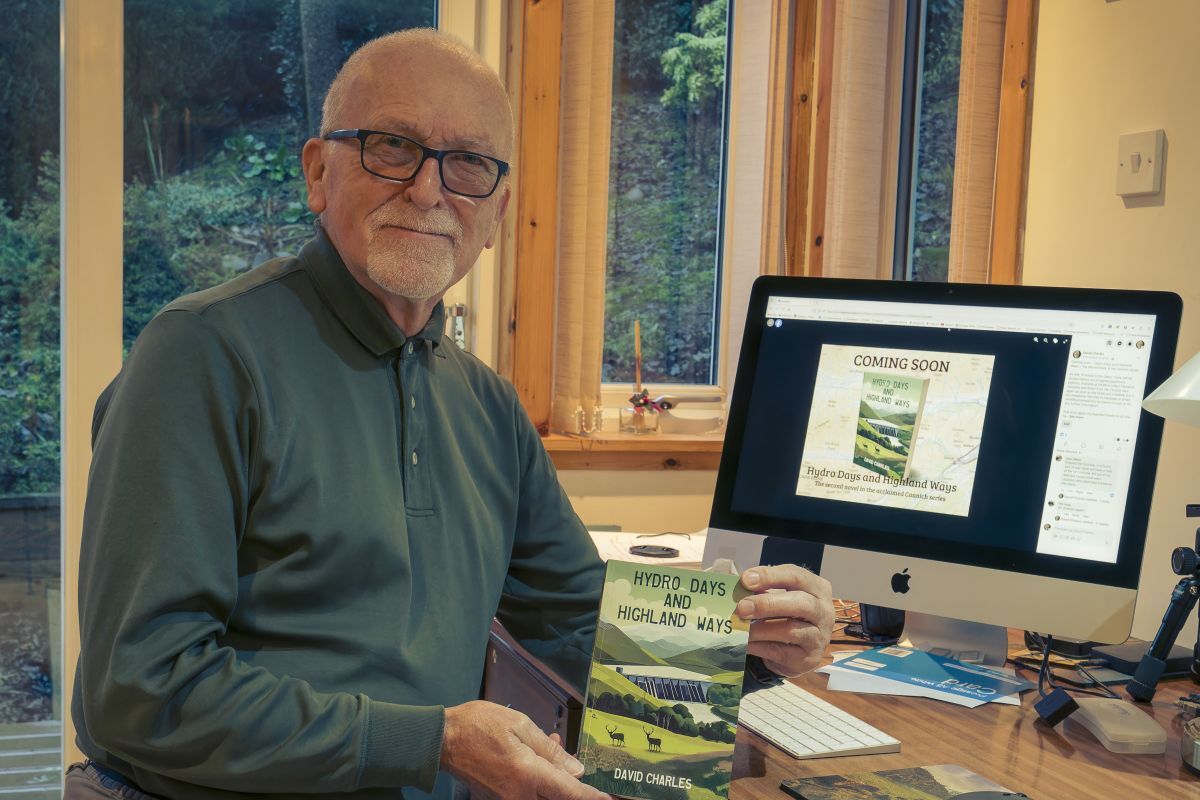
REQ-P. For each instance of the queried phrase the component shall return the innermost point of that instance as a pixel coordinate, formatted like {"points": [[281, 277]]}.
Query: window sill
{"points": [[631, 452]]}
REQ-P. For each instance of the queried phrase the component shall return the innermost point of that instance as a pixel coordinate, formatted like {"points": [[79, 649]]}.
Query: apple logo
{"points": [[900, 582]]}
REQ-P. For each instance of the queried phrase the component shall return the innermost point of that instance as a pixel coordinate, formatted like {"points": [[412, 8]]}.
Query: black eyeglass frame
{"points": [[427, 153]]}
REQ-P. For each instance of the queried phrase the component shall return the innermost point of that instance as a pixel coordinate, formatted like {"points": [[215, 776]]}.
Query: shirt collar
{"points": [[356, 308]]}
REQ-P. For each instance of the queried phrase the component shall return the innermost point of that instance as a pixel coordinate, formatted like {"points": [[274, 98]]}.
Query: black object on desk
{"points": [[1185, 561], [1126, 657], [653, 551], [1063, 646]]}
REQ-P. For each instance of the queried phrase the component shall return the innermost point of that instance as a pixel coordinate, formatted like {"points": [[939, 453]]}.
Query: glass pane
{"points": [[937, 130], [668, 152], [213, 133], [30, 585]]}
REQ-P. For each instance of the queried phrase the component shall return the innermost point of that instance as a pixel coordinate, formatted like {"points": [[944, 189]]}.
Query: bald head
{"points": [[407, 240], [382, 65]]}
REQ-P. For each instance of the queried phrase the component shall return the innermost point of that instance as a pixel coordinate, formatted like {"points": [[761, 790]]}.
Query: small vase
{"points": [[639, 420]]}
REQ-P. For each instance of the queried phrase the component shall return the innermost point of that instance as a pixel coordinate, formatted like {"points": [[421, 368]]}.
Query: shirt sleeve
{"points": [[551, 597], [168, 498]]}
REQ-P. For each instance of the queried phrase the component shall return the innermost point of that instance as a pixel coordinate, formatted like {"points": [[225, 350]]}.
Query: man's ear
{"points": [[505, 193], [312, 159]]}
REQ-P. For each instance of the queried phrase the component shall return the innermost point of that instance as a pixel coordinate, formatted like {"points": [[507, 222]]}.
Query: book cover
{"points": [[889, 414], [915, 783], [665, 683]]}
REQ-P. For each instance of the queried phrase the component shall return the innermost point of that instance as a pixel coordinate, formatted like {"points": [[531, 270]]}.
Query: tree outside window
{"points": [[666, 164]]}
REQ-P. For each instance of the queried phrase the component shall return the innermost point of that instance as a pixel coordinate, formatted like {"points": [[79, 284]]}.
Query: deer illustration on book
{"points": [[668, 661]]}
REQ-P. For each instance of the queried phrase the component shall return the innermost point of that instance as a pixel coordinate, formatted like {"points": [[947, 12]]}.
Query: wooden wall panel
{"points": [[1012, 158], [801, 135], [537, 208]]}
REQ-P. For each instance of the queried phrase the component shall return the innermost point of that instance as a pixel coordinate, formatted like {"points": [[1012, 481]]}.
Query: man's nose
{"points": [[425, 188]]}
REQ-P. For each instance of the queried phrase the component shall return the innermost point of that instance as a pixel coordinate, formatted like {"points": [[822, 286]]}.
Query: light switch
{"points": [[1139, 163]]}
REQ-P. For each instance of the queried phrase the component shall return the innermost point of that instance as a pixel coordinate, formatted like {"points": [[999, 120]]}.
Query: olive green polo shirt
{"points": [[299, 525]]}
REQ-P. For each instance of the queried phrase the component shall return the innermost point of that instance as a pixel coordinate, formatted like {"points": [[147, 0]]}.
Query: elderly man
{"points": [[305, 508]]}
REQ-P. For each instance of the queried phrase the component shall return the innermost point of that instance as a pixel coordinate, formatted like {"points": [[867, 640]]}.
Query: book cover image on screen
{"points": [[662, 702], [898, 428]]}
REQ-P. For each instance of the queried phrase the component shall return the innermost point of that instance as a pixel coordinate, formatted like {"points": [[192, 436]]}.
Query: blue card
{"points": [[937, 673]]}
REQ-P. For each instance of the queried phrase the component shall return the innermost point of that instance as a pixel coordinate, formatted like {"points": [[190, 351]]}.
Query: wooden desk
{"points": [[1000, 742]]}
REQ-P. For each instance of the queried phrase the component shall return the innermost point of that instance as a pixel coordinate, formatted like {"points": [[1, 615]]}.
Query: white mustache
{"points": [[439, 224]]}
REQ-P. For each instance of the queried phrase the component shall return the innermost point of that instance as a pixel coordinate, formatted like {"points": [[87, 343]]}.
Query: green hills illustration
{"points": [[865, 411], [613, 646]]}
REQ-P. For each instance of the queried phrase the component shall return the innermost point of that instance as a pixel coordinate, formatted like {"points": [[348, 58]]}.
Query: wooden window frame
{"points": [[1012, 143], [808, 149], [527, 294]]}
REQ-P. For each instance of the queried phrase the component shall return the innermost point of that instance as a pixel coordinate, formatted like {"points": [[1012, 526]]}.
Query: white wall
{"points": [[642, 500], [1103, 69]]}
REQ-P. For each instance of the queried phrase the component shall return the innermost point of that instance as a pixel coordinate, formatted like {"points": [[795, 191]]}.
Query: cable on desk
{"points": [[1056, 706], [1045, 674]]}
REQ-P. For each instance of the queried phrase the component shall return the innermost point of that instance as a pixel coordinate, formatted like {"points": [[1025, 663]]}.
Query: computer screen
{"points": [[997, 428]]}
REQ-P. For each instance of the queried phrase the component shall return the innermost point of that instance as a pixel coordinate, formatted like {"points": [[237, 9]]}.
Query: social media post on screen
{"points": [[1091, 466]]}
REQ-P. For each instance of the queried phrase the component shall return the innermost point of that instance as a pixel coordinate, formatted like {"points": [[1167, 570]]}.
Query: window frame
{"points": [[790, 233], [527, 356], [807, 168], [92, 112]]}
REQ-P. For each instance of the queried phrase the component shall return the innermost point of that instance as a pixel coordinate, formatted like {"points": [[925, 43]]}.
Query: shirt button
{"points": [[414, 458], [410, 348], [413, 400]]}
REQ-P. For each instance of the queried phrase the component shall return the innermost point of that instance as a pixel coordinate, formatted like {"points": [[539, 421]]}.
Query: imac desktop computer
{"points": [[962, 452]]}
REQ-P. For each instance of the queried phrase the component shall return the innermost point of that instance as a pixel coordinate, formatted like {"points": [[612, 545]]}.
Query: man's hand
{"points": [[499, 753], [791, 624]]}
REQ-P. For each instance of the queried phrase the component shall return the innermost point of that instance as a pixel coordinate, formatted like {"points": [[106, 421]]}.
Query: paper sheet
{"points": [[845, 680], [614, 545]]}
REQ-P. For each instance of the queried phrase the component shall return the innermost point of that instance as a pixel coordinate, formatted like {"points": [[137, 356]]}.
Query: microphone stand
{"points": [[1184, 561]]}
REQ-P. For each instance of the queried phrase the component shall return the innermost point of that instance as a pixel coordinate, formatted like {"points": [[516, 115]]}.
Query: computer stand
{"points": [[973, 642]]}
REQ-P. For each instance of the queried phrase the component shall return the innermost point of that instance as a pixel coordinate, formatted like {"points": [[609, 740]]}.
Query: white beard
{"points": [[415, 271]]}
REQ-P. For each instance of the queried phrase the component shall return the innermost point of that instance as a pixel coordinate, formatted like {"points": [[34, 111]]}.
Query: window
{"points": [[804, 193], [666, 165], [30, 430], [212, 135], [561, 231], [927, 251], [917, 171]]}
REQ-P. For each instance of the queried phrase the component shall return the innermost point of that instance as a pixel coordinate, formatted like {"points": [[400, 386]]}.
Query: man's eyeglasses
{"points": [[398, 158]]}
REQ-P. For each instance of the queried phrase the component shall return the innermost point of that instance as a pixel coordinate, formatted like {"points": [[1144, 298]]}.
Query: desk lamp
{"points": [[1177, 399]]}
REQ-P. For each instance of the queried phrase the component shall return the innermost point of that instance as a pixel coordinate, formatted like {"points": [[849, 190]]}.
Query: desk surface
{"points": [[1001, 743]]}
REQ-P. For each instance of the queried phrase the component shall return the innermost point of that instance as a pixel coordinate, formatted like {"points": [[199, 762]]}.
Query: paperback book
{"points": [[661, 712], [941, 782], [889, 414]]}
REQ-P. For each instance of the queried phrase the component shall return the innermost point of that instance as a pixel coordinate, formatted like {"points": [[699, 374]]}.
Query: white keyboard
{"points": [[805, 726]]}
